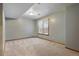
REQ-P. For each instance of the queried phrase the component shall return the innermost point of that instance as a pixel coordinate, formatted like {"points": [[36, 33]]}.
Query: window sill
{"points": [[43, 34]]}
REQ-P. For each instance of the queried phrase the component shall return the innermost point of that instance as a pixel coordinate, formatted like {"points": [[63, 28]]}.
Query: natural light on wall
{"points": [[52, 20]]}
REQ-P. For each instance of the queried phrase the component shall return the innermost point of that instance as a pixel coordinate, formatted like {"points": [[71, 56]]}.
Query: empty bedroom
{"points": [[41, 29]]}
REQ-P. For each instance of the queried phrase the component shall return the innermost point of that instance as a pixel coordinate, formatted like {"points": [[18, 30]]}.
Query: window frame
{"points": [[43, 28]]}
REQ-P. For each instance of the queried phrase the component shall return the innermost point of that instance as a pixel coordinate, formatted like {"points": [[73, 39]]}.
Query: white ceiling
{"points": [[15, 10], [44, 9]]}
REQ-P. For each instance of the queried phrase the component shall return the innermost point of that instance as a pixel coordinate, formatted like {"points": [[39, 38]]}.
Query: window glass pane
{"points": [[40, 26], [46, 26]]}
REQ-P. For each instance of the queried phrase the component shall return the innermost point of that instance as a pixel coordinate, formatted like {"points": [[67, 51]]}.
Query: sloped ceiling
{"points": [[15, 10], [45, 9]]}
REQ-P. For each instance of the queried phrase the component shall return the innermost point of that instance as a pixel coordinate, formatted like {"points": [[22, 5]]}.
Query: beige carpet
{"points": [[36, 47]]}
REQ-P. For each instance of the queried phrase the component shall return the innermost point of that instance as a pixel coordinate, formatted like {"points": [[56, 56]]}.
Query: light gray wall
{"points": [[56, 27], [72, 27], [35, 28], [19, 28]]}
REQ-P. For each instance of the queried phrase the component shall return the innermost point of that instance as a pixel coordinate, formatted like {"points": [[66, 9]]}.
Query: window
{"points": [[43, 26]]}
